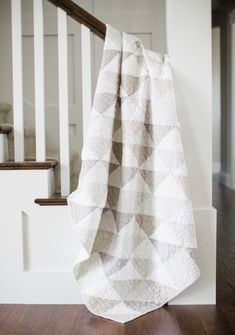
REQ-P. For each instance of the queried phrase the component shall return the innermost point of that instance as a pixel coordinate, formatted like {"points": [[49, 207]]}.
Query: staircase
{"points": [[24, 147], [38, 244], [30, 151]]}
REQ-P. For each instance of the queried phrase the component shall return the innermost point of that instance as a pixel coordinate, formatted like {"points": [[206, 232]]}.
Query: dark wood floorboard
{"points": [[169, 320]]}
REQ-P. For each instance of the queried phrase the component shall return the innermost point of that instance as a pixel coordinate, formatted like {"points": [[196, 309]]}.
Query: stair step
{"points": [[51, 154], [28, 165], [55, 200], [5, 108]]}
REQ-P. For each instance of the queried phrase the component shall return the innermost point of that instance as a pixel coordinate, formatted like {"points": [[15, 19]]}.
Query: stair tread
{"points": [[28, 165], [55, 200]]}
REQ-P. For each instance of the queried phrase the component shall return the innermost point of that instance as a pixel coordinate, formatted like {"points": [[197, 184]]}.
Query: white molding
{"points": [[226, 179], [232, 104], [216, 166], [24, 240]]}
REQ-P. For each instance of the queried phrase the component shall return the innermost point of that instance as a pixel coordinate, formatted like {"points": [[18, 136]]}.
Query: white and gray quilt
{"points": [[132, 211]]}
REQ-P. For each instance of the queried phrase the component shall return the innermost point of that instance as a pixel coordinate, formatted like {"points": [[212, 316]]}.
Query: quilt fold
{"points": [[137, 245]]}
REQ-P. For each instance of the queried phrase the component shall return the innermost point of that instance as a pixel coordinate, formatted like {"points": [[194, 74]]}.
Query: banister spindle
{"points": [[17, 73], [39, 81], [63, 102], [86, 77]]}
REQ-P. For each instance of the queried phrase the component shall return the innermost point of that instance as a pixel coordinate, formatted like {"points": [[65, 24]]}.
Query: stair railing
{"points": [[88, 24]]}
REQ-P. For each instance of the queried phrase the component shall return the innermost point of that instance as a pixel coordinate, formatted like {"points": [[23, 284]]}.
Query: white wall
{"points": [[145, 19], [227, 35], [216, 98], [189, 47], [190, 54]]}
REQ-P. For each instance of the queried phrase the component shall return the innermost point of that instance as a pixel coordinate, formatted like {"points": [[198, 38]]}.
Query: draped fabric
{"points": [[137, 246]]}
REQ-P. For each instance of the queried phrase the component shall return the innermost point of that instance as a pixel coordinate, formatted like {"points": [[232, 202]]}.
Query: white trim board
{"points": [[216, 167], [226, 179]]}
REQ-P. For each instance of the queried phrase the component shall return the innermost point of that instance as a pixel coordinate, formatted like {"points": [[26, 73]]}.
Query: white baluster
{"points": [[3, 148], [39, 81], [17, 71], [86, 77], [63, 102]]}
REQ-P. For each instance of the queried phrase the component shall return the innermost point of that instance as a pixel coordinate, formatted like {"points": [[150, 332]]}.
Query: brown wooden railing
{"points": [[82, 16]]}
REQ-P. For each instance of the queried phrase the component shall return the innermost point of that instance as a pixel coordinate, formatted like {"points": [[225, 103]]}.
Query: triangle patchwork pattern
{"points": [[132, 209]]}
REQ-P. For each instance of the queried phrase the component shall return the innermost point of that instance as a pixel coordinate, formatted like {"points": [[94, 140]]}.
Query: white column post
{"points": [[189, 48], [63, 102], [86, 77], [17, 72], [232, 105], [39, 81]]}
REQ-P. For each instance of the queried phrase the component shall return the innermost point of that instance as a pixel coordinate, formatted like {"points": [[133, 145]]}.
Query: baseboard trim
{"points": [[216, 167], [226, 179]]}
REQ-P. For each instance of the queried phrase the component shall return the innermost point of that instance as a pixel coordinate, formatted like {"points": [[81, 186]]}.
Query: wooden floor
{"points": [[169, 320]]}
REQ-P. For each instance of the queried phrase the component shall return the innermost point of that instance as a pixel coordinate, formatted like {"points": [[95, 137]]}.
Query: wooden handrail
{"points": [[82, 16]]}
